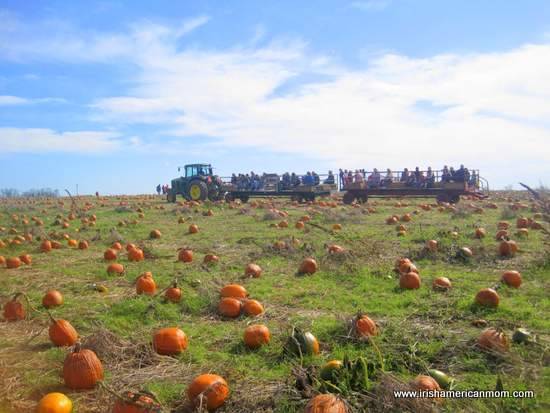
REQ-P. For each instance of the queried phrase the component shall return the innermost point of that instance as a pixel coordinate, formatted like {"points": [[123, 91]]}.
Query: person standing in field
{"points": [[158, 189]]}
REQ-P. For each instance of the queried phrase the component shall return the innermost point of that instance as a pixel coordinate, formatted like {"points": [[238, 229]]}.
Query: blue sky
{"points": [[115, 95]]}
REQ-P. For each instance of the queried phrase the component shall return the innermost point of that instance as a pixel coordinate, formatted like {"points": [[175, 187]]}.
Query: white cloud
{"points": [[489, 109], [191, 24], [14, 140], [6, 100], [370, 5]]}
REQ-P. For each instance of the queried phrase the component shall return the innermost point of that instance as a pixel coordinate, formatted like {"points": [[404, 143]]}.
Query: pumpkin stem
{"points": [[77, 347], [53, 320]]}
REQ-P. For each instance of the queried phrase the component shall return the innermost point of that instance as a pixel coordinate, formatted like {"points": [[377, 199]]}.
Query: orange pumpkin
{"points": [[13, 262], [253, 270], [155, 234], [335, 249], [56, 245], [208, 389], [145, 284], [404, 265], [253, 308], [441, 284], [169, 341], [487, 297], [364, 326], [210, 259], [82, 369], [135, 254], [431, 245], [193, 228], [234, 291], [256, 335], [480, 233], [326, 403], [336, 227], [117, 246], [62, 333], [410, 280], [299, 225], [503, 225], [14, 310], [52, 298], [308, 266], [422, 382], [493, 340], [110, 254], [229, 307], [173, 293], [522, 222], [45, 246], [83, 245], [501, 234], [2, 260], [55, 403], [185, 255], [511, 278], [26, 259], [115, 268], [507, 248]]}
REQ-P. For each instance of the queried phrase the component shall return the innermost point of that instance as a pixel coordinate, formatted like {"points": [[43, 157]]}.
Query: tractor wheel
{"points": [[349, 197], [197, 191], [213, 194], [229, 197], [171, 196], [244, 198], [363, 198], [453, 199]]}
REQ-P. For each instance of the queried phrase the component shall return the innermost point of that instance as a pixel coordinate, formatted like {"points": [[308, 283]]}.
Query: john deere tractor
{"points": [[198, 184]]}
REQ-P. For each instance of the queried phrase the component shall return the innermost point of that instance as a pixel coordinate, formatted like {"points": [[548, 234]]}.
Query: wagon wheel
{"points": [[349, 197]]}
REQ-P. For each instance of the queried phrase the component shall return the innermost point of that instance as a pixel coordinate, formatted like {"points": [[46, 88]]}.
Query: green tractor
{"points": [[198, 184]]}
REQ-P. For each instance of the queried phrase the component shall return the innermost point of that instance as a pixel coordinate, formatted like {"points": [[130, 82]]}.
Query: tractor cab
{"points": [[198, 169]]}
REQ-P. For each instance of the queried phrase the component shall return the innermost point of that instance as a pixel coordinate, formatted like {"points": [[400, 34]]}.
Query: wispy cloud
{"points": [[191, 24], [371, 5], [7, 100], [13, 140]]}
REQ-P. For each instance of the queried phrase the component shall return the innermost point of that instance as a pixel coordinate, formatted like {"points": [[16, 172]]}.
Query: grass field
{"points": [[419, 329]]}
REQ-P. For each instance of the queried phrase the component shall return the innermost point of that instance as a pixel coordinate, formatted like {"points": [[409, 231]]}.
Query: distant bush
{"points": [[9, 193], [32, 193]]}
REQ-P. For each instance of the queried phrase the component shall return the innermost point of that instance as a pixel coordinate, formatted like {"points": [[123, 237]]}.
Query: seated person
{"points": [[295, 180], [430, 178], [316, 179], [418, 177], [458, 175], [445, 175], [405, 176], [388, 179], [330, 178], [308, 179], [452, 173], [374, 179]]}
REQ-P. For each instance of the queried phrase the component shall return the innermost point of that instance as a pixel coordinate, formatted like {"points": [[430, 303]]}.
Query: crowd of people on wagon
{"points": [[416, 178], [255, 182]]}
